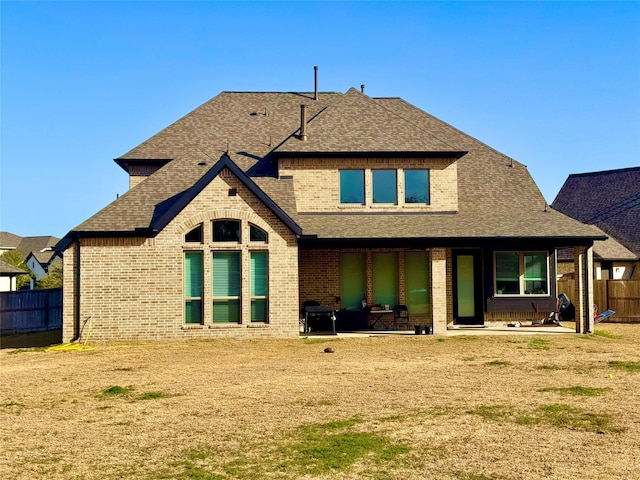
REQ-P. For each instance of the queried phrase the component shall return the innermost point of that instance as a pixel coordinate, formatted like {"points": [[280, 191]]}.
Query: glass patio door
{"points": [[467, 288]]}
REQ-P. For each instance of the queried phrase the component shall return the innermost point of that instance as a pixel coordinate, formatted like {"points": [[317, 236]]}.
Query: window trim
{"points": [[521, 274], [253, 297], [186, 298]]}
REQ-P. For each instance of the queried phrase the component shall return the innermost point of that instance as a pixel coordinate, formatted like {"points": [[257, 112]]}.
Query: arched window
{"points": [[256, 234], [195, 235]]}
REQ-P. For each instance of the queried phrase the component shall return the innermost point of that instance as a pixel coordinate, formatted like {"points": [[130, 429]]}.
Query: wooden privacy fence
{"points": [[621, 296], [30, 311]]}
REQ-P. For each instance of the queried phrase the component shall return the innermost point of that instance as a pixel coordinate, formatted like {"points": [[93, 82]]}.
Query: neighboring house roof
{"points": [[37, 244], [8, 270], [496, 196], [9, 241], [43, 258], [609, 199], [603, 250]]}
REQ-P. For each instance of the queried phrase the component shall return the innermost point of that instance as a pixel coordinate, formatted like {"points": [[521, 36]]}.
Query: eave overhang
{"points": [[370, 154], [313, 242], [127, 163]]}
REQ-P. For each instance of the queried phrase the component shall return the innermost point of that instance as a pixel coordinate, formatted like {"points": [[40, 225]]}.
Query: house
{"points": [[609, 199], [37, 252], [8, 275], [40, 261], [256, 202], [8, 241]]}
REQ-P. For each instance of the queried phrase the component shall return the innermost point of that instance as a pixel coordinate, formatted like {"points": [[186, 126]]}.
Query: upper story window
{"points": [[521, 273], [194, 236], [226, 231], [416, 186], [384, 186], [256, 234], [352, 186]]}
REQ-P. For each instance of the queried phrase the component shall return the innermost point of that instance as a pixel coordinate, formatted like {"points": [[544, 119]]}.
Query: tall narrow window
{"points": [[193, 283], [416, 186], [384, 186], [417, 275], [259, 286], [352, 186], [352, 280], [385, 279], [226, 286], [507, 273], [226, 231]]}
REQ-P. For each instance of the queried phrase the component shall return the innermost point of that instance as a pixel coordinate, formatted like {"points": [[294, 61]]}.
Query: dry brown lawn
{"points": [[475, 407]]}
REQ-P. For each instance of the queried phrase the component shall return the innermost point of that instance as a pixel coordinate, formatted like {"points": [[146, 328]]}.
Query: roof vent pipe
{"points": [[315, 83], [362, 88], [303, 122]]}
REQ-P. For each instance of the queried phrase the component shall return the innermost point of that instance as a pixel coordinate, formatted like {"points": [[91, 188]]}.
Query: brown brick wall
{"points": [[133, 288]]}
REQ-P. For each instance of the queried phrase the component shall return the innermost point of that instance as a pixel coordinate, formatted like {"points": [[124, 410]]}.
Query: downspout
{"points": [[77, 291]]}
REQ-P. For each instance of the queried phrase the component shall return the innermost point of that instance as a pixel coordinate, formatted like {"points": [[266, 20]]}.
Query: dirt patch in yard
{"points": [[413, 407]]}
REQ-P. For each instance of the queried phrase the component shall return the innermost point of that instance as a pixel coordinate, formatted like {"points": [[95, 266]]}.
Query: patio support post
{"points": [[583, 293], [439, 290]]}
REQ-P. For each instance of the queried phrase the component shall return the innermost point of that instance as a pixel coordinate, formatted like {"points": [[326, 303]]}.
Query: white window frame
{"points": [[521, 270]]}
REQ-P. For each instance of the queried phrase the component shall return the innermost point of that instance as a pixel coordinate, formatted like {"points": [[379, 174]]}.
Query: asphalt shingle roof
{"points": [[609, 199], [497, 196]]}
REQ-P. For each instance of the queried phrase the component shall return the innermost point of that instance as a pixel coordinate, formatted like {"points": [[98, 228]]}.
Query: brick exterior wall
{"points": [[317, 185], [583, 294], [441, 290], [320, 280], [132, 288]]}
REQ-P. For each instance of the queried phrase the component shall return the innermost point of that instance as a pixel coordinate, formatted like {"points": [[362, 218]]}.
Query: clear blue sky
{"points": [[555, 85]]}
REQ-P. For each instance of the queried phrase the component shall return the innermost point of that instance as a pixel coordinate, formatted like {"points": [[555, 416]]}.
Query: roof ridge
{"points": [[605, 172]]}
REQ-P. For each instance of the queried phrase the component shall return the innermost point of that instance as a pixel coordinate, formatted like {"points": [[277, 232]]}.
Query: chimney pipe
{"points": [[315, 83], [303, 122], [362, 88]]}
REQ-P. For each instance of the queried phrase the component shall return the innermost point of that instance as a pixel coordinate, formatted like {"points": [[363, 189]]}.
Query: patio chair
{"points": [[401, 316]]}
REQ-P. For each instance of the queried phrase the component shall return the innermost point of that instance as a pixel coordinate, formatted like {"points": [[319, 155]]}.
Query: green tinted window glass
{"points": [[352, 186], [226, 286], [416, 186], [535, 273], [417, 281], [193, 287], [259, 286], [352, 280], [385, 279], [193, 311], [507, 273], [384, 186], [465, 286]]}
